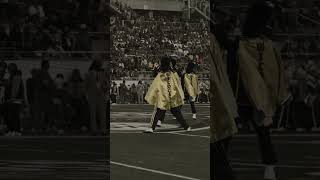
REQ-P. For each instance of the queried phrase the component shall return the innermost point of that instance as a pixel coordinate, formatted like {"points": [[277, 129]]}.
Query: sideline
{"points": [[153, 171]]}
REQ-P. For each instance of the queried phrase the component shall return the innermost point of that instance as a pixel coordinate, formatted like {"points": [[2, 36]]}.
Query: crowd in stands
{"points": [[301, 46], [302, 109], [311, 10], [53, 26], [141, 39], [57, 105]]}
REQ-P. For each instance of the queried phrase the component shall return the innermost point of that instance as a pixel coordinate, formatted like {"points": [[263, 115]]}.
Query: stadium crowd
{"points": [[301, 46], [52, 105], [141, 38], [52, 26]]}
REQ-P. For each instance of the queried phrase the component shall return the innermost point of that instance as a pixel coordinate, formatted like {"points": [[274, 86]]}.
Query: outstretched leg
{"points": [[159, 114], [220, 168], [177, 113]]}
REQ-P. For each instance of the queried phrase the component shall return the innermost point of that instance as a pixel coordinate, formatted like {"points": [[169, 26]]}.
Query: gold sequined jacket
{"points": [[223, 106], [165, 92], [262, 75]]}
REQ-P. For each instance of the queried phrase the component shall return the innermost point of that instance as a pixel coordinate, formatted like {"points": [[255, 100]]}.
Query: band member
{"points": [[191, 86], [262, 77], [259, 78], [178, 74], [166, 93], [223, 107]]}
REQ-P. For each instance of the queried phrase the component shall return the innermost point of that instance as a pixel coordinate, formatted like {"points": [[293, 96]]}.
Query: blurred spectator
{"points": [[60, 102], [79, 103], [15, 100], [122, 91], [114, 92], [3, 86], [45, 92], [140, 91], [32, 86], [134, 94], [95, 85], [83, 41]]}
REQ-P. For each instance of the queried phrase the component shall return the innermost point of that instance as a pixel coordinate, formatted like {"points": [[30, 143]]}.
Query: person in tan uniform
{"points": [[166, 93], [177, 73], [191, 86], [260, 74], [223, 109]]}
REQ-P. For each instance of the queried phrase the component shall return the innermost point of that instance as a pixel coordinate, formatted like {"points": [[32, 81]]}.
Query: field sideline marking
{"points": [[192, 130], [190, 135], [281, 166], [280, 135], [251, 135], [153, 171], [161, 132]]}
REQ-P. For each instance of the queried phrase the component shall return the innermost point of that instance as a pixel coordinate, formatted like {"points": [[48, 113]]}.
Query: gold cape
{"points": [[223, 109], [158, 92], [191, 84], [268, 91]]}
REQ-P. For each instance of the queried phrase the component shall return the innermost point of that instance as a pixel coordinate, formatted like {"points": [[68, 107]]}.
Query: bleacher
{"points": [[60, 20]]}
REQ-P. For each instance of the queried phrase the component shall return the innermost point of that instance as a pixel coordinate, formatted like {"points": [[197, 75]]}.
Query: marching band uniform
{"points": [[191, 85], [177, 75], [166, 93], [223, 111], [262, 78], [260, 74]]}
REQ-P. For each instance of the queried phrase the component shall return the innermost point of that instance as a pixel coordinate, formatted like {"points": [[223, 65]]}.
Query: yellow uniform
{"points": [[165, 92], [262, 75], [223, 109], [191, 84]]}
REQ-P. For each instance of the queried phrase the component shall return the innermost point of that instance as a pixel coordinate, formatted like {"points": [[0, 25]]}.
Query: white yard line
{"points": [[189, 135], [281, 166], [192, 130], [280, 135], [161, 132], [153, 171]]}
